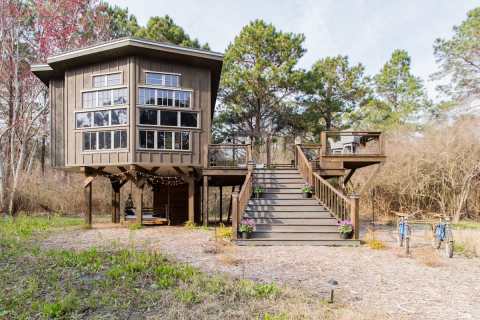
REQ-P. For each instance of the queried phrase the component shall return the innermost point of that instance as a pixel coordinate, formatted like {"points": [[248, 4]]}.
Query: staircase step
{"points": [[327, 220], [296, 228], [283, 196], [274, 242], [288, 214], [257, 180], [280, 185], [265, 171], [296, 235], [284, 202], [290, 208], [283, 191], [277, 175]]}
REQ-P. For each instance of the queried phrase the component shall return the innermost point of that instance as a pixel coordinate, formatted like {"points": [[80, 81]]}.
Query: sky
{"points": [[365, 30]]}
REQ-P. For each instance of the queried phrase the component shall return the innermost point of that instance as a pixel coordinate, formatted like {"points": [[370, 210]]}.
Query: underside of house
{"points": [[140, 112]]}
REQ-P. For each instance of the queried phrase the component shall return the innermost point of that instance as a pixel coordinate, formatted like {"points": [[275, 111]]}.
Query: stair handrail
{"points": [[240, 202], [341, 206]]}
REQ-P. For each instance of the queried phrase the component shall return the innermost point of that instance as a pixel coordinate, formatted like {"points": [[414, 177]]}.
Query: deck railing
{"points": [[229, 155], [240, 202], [341, 206], [348, 143]]}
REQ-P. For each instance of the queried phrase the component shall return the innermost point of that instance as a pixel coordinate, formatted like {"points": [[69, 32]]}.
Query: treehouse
{"points": [[139, 111]]}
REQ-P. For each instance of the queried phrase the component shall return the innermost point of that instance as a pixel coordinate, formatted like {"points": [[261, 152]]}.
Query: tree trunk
{"points": [[42, 155], [16, 176]]}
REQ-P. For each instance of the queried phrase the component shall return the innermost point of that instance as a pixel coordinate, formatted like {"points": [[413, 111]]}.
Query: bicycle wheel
{"points": [[449, 249], [407, 245], [400, 240]]}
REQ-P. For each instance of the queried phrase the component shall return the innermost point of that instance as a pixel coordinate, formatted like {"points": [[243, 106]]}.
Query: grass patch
{"points": [[135, 226], [119, 284], [467, 224]]}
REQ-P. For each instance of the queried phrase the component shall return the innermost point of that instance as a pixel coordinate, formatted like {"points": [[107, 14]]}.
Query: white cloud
{"points": [[365, 30]]}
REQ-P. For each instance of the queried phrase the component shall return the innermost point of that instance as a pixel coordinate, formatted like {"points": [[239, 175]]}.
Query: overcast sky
{"points": [[365, 30]]}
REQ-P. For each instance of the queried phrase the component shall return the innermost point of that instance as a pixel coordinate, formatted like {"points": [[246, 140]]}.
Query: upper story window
{"points": [[105, 118], [172, 118], [162, 79], [164, 97], [105, 98], [104, 140], [107, 80], [164, 140]]}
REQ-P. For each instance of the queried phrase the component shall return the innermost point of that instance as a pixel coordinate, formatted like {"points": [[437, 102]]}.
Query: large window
{"points": [[164, 97], [102, 140], [107, 80], [169, 118], [164, 140], [105, 98], [102, 118], [162, 79]]}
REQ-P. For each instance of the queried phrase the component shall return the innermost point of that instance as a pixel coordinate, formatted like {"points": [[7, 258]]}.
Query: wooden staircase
{"points": [[283, 217]]}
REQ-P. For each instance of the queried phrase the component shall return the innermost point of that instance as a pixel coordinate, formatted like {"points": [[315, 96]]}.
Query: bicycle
{"points": [[404, 232], [442, 232]]}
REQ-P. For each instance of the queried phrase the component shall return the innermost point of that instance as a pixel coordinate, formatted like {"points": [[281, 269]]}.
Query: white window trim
{"points": [[179, 118], [106, 81], [155, 140], [112, 142], [92, 111], [97, 90], [163, 73], [156, 96]]}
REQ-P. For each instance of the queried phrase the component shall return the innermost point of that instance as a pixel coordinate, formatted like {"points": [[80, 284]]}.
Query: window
{"points": [[188, 119], [164, 98], [164, 140], [101, 118], [148, 116], [89, 140], [104, 98], [118, 117], [107, 80], [120, 139], [83, 119], [102, 140], [162, 79], [147, 139], [169, 118], [185, 140]]}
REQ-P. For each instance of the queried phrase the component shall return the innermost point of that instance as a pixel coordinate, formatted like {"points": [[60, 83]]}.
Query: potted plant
{"points": [[258, 191], [307, 191], [246, 227], [345, 228]]}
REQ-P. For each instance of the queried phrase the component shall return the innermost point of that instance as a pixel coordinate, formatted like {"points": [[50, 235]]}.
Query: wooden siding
{"points": [[76, 81], [198, 80], [57, 123]]}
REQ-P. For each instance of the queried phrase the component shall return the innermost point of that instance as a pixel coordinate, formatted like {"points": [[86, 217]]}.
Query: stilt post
{"points": [[88, 202], [191, 200], [139, 202], [355, 215], [234, 215], [205, 201], [221, 204]]}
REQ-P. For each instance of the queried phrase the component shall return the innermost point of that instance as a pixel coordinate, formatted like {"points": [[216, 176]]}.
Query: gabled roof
{"points": [[57, 64]]}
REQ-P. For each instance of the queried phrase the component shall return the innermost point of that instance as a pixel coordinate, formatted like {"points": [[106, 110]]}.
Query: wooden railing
{"points": [[229, 155], [348, 143], [341, 206], [240, 202]]}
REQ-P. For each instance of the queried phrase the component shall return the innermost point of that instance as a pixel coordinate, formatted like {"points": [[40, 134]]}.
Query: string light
{"points": [[152, 178]]}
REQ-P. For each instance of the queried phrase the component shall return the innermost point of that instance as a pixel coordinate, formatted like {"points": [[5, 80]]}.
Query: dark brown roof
{"points": [[57, 64]]}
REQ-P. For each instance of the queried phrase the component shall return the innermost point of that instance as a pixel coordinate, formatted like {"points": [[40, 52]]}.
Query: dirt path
{"points": [[380, 284]]}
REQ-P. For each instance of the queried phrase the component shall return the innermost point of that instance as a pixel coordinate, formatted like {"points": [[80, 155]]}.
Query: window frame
{"points": [[173, 89], [179, 118], [155, 141], [92, 118], [112, 142], [145, 72], [106, 74], [95, 91]]}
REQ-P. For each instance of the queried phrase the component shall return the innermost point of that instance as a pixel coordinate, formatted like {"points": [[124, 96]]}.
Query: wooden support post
{"points": [[355, 215], [116, 185], [191, 200], [221, 204], [139, 203], [234, 215], [88, 203], [205, 201]]}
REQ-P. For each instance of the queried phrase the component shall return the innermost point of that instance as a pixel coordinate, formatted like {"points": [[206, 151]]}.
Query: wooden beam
{"points": [[205, 200], [348, 177], [179, 171], [88, 203], [234, 215], [88, 180], [191, 200]]}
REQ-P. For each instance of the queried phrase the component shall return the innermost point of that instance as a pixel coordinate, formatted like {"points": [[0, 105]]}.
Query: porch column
{"points": [[116, 185], [355, 215], [88, 201], [139, 202], [205, 200], [191, 199]]}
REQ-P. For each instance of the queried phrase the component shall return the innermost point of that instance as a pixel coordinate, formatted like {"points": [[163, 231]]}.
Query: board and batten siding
{"points": [[198, 80], [57, 123], [77, 80]]}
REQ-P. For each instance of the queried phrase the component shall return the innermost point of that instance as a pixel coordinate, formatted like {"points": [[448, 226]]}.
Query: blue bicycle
{"points": [[442, 232], [404, 232]]}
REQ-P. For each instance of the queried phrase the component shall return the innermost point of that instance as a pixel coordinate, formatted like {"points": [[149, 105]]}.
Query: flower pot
{"points": [[346, 235], [307, 194], [245, 235]]}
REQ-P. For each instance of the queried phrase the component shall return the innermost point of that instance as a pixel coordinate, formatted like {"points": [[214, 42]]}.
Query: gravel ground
{"points": [[380, 284]]}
